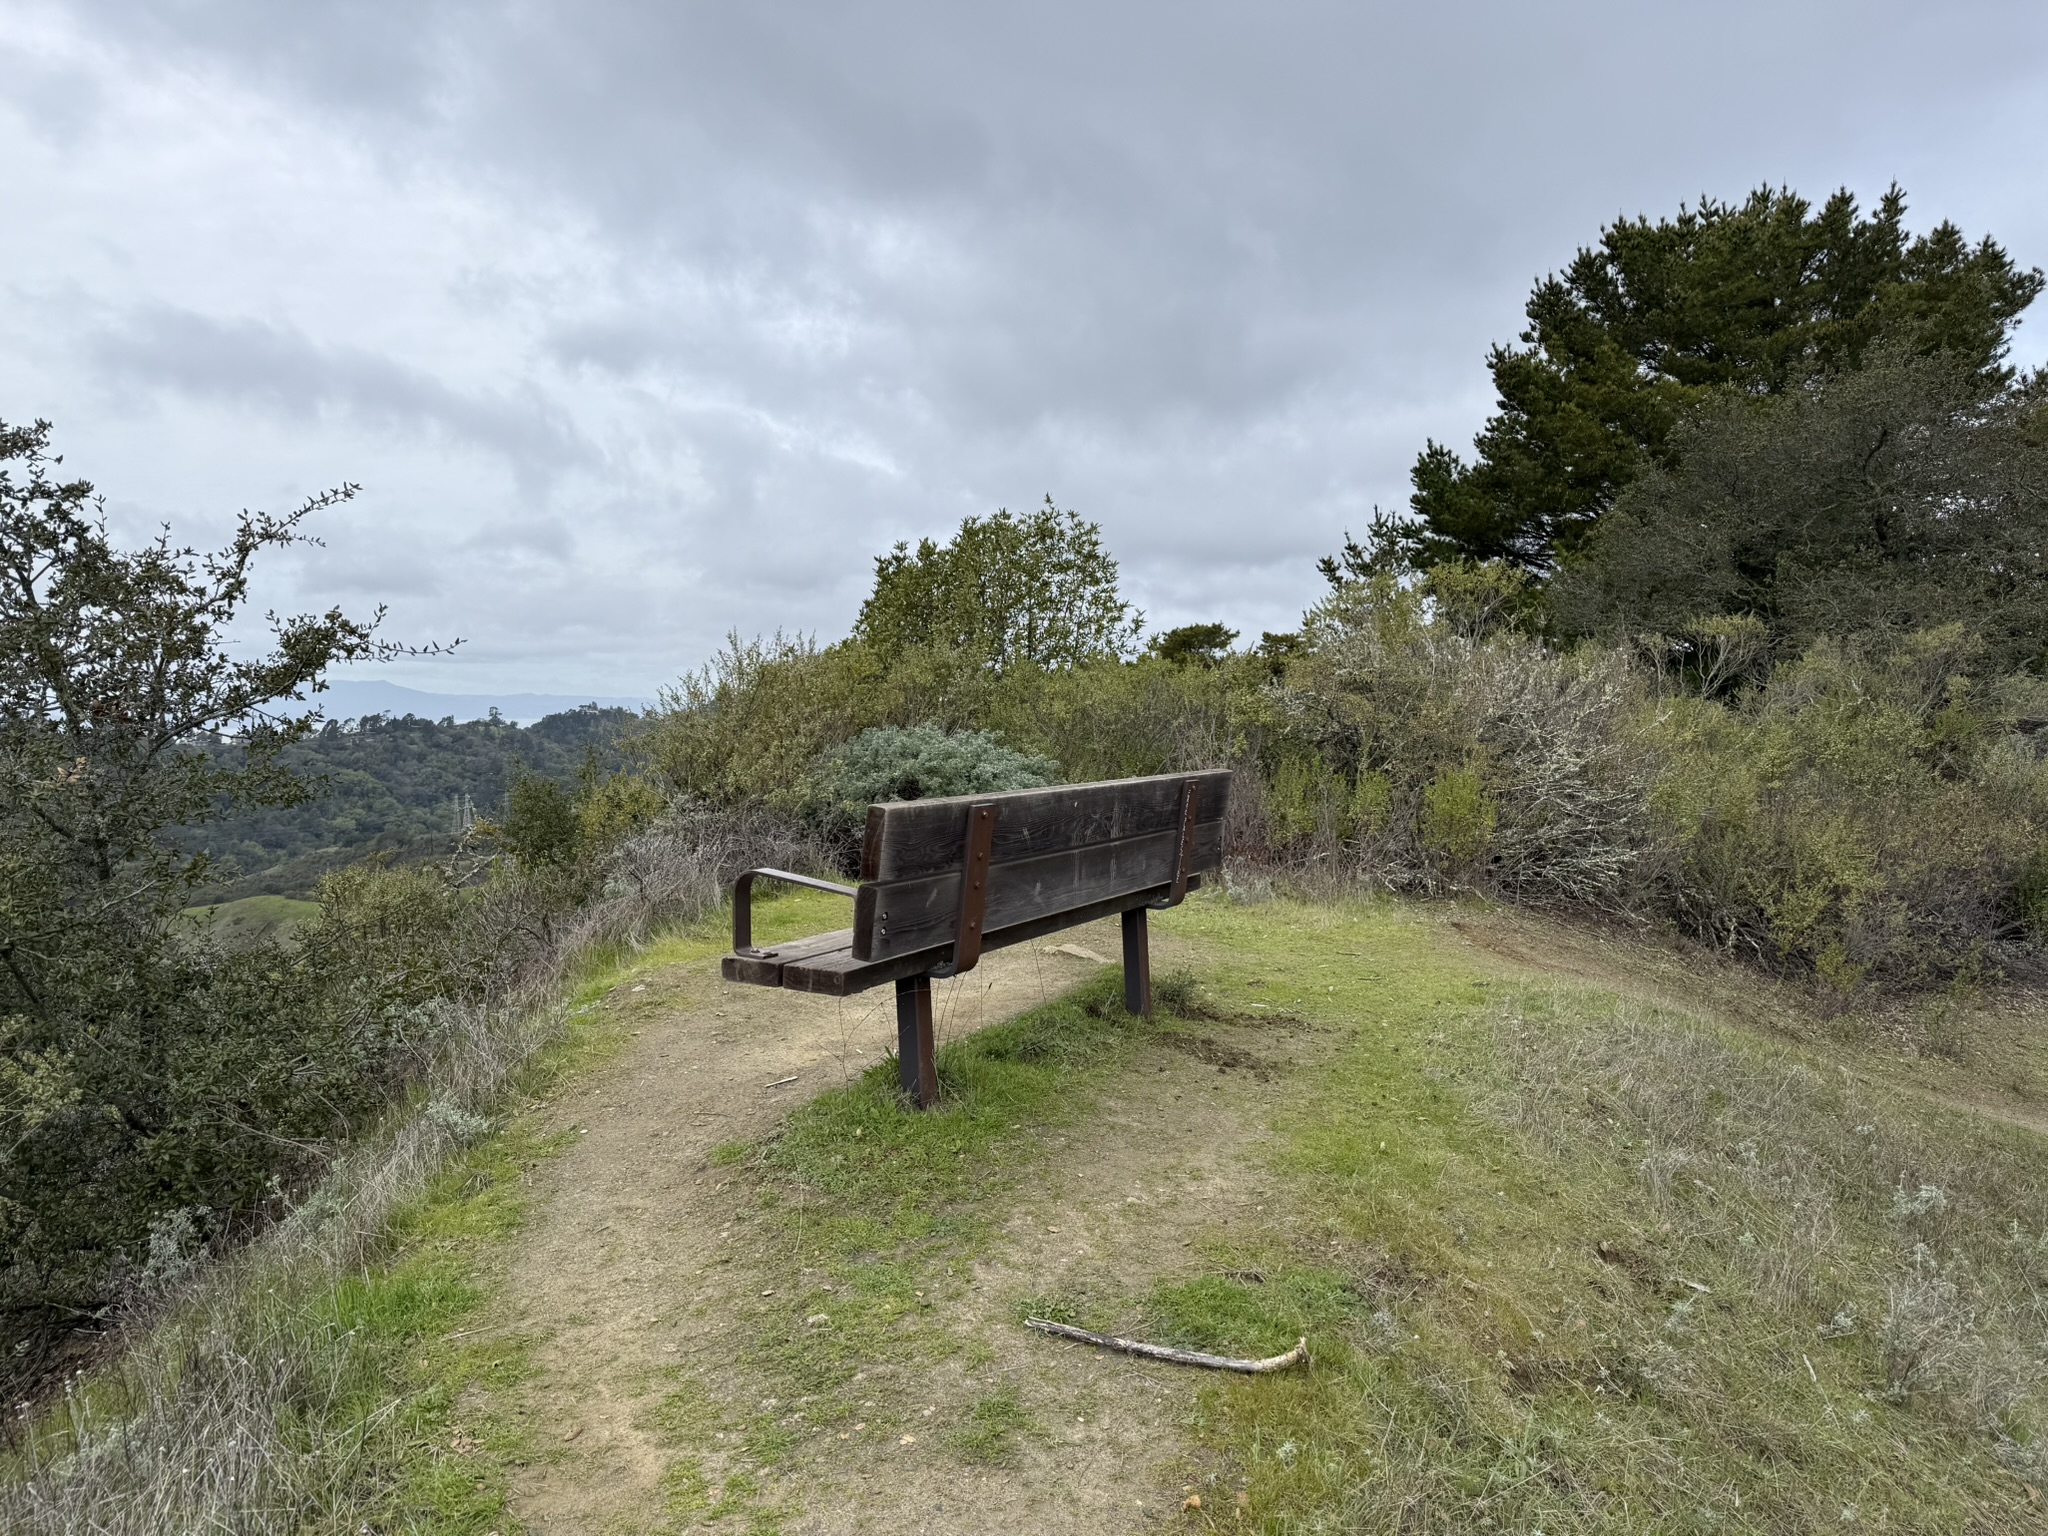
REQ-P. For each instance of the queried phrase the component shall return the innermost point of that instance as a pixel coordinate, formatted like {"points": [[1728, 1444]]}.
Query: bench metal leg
{"points": [[916, 1049], [1137, 964]]}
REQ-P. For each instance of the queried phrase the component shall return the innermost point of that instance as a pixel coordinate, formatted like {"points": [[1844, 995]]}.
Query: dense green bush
{"points": [[1871, 813], [1866, 811], [749, 728], [918, 762], [1894, 498]]}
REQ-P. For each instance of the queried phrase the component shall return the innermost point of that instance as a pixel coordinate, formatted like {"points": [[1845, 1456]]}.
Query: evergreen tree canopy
{"points": [[1038, 589], [1760, 297], [1193, 645], [1897, 497]]}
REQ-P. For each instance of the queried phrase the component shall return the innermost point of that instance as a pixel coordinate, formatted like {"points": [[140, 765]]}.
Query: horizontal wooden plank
{"points": [[839, 974], [901, 917], [909, 839], [765, 970]]}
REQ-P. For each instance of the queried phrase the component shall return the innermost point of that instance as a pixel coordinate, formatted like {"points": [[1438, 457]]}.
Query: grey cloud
{"points": [[783, 282], [275, 368], [58, 102]]}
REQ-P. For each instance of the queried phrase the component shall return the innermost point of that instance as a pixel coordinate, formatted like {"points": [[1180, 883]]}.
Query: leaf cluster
{"points": [[1038, 589]]}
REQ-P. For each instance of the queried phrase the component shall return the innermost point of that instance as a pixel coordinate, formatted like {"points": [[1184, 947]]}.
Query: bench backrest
{"points": [[1048, 852]]}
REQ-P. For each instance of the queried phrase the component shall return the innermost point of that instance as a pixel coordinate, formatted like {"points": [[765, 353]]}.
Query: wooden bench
{"points": [[943, 881]]}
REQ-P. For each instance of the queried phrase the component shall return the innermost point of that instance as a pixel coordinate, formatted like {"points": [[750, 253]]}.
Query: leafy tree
{"points": [[1278, 648], [1759, 297], [1037, 589], [1193, 645], [1898, 498], [540, 823], [140, 1074]]}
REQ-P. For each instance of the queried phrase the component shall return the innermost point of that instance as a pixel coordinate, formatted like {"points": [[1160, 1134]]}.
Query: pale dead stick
{"points": [[1295, 1356]]}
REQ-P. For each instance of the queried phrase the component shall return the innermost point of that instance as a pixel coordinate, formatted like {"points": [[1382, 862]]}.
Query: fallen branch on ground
{"points": [[1295, 1356]]}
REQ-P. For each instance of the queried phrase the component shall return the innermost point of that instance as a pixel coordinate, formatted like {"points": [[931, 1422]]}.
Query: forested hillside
{"points": [[401, 786]]}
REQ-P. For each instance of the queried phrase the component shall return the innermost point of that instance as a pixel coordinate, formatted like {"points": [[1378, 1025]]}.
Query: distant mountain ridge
{"points": [[352, 698]]}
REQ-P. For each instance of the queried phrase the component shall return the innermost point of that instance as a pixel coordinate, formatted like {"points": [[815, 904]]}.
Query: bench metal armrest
{"points": [[743, 905]]}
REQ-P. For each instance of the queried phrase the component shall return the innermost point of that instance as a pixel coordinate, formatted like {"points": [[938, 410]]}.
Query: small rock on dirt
{"points": [[1076, 952]]}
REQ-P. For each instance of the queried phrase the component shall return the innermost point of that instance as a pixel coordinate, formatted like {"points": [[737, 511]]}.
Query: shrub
{"points": [[1458, 816], [1864, 815], [1447, 749], [912, 763]]}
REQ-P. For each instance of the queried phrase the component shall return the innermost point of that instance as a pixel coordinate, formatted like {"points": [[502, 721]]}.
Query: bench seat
{"points": [[825, 962]]}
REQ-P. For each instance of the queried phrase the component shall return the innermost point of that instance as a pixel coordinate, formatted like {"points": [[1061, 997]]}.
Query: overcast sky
{"points": [[643, 322]]}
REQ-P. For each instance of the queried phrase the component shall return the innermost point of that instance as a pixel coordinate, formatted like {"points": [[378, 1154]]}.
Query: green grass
{"points": [[881, 1208], [251, 917], [1253, 1313], [1570, 1266], [1566, 1262], [996, 1422]]}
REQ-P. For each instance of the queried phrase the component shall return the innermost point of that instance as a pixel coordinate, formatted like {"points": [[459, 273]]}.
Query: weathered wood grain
{"points": [[765, 969], [835, 972], [909, 839], [901, 917]]}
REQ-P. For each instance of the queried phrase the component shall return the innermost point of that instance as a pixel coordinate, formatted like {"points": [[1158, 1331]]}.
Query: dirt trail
{"points": [[620, 1274]]}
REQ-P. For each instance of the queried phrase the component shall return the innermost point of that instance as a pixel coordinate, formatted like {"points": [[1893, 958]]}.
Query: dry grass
{"points": [[1838, 1208]]}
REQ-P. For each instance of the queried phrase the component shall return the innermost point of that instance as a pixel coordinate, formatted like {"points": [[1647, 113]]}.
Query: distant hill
{"points": [[401, 786], [352, 698]]}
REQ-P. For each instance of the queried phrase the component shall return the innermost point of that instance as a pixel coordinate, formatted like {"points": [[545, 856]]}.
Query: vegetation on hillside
{"points": [[165, 1092], [152, 1085], [398, 787]]}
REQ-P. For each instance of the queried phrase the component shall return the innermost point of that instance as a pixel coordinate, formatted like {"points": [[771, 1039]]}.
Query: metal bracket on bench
{"points": [[974, 861], [743, 906], [1184, 851]]}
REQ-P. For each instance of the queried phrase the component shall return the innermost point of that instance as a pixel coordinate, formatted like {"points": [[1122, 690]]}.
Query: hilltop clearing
{"points": [[1585, 1235]]}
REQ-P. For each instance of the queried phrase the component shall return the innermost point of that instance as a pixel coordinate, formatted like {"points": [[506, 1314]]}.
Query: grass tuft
{"points": [[995, 1423]]}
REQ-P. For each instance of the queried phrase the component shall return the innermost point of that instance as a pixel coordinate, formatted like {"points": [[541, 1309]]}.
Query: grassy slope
{"points": [[1576, 1263], [1615, 1269], [1571, 1264], [252, 916]]}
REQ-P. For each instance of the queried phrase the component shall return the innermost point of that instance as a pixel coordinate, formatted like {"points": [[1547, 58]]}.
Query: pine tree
{"points": [[1762, 297]]}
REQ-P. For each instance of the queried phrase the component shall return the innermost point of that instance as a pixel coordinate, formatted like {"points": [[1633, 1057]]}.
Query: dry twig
{"points": [[1295, 1356]]}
